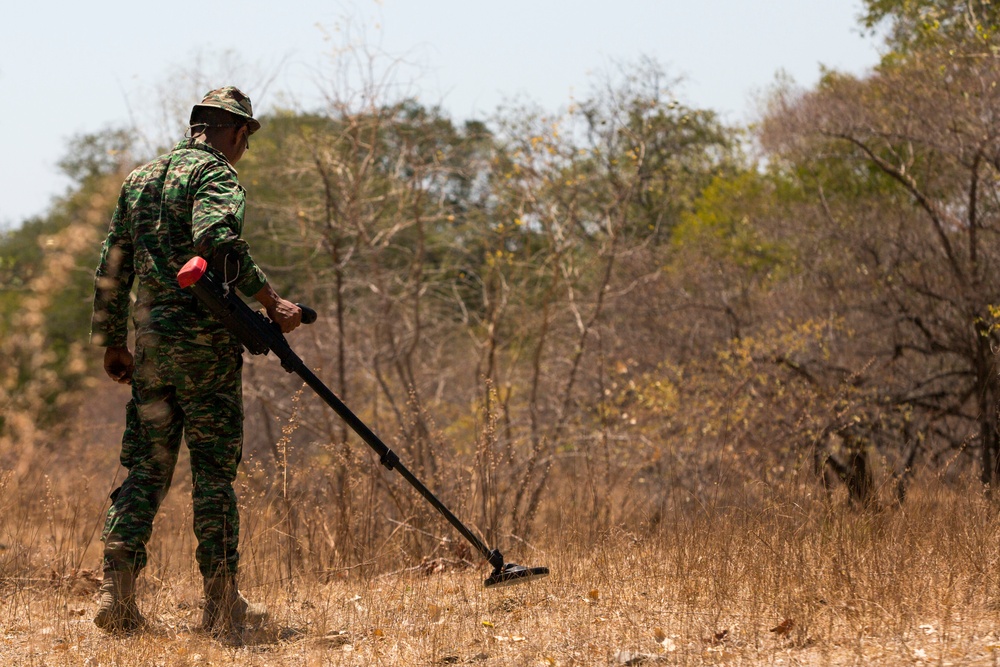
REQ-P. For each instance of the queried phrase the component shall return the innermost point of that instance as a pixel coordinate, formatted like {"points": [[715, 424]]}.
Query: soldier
{"points": [[185, 375]]}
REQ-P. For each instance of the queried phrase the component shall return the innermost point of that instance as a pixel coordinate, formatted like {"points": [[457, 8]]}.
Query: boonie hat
{"points": [[233, 100]]}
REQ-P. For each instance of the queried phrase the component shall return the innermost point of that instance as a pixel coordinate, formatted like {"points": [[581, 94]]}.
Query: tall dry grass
{"points": [[737, 573]]}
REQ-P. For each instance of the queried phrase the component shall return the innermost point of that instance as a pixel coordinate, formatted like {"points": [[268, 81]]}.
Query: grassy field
{"points": [[784, 578], [731, 572]]}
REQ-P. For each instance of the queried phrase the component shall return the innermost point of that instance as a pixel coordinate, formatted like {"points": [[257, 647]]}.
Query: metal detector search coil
{"points": [[260, 335], [511, 574]]}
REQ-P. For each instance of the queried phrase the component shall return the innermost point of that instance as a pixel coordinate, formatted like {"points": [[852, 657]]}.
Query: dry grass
{"points": [[731, 573], [780, 577]]}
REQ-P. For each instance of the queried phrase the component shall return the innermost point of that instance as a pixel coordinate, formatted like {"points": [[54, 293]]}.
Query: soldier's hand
{"points": [[119, 364], [285, 313]]}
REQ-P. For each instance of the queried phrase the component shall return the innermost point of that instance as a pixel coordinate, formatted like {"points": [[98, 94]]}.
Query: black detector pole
{"points": [[260, 335]]}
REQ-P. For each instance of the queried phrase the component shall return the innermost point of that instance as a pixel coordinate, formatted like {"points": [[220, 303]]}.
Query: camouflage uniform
{"points": [[187, 366]]}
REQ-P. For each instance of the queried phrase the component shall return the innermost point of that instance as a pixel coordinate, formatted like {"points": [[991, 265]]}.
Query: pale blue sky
{"points": [[73, 67]]}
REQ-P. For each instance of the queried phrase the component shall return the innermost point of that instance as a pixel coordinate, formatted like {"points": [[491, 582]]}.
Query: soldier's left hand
{"points": [[119, 364]]}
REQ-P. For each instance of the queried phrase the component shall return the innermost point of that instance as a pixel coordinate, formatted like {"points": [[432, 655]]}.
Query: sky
{"points": [[69, 68]]}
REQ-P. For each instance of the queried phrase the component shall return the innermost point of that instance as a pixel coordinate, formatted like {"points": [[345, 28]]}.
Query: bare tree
{"points": [[902, 164]]}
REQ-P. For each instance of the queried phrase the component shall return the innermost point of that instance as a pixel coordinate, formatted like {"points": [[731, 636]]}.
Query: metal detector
{"points": [[260, 335]]}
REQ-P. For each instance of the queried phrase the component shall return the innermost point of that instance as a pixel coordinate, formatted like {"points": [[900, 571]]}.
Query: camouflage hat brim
{"points": [[233, 100]]}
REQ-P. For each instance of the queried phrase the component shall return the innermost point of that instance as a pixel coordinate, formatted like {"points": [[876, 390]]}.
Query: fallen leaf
{"points": [[379, 632], [594, 594], [488, 624], [659, 635], [784, 627]]}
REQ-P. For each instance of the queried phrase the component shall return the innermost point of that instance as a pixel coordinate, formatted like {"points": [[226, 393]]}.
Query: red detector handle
{"points": [[192, 272]]}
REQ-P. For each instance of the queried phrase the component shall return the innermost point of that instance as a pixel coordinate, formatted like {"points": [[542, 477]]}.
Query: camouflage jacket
{"points": [[185, 203]]}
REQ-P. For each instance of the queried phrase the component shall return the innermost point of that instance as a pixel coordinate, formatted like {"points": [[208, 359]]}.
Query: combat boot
{"points": [[117, 611], [227, 613]]}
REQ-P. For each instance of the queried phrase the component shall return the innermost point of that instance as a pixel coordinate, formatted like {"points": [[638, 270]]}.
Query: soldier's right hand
{"points": [[119, 364], [285, 314]]}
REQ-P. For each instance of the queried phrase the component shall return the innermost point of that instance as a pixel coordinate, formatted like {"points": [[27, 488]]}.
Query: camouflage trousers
{"points": [[194, 391]]}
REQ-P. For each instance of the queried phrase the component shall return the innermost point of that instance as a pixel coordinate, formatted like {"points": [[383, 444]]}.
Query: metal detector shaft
{"points": [[387, 457], [259, 335]]}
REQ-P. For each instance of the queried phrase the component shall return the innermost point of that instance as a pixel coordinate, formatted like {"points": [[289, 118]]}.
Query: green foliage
{"points": [[94, 155], [915, 25], [46, 267], [725, 223], [20, 258], [22, 254], [638, 134]]}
